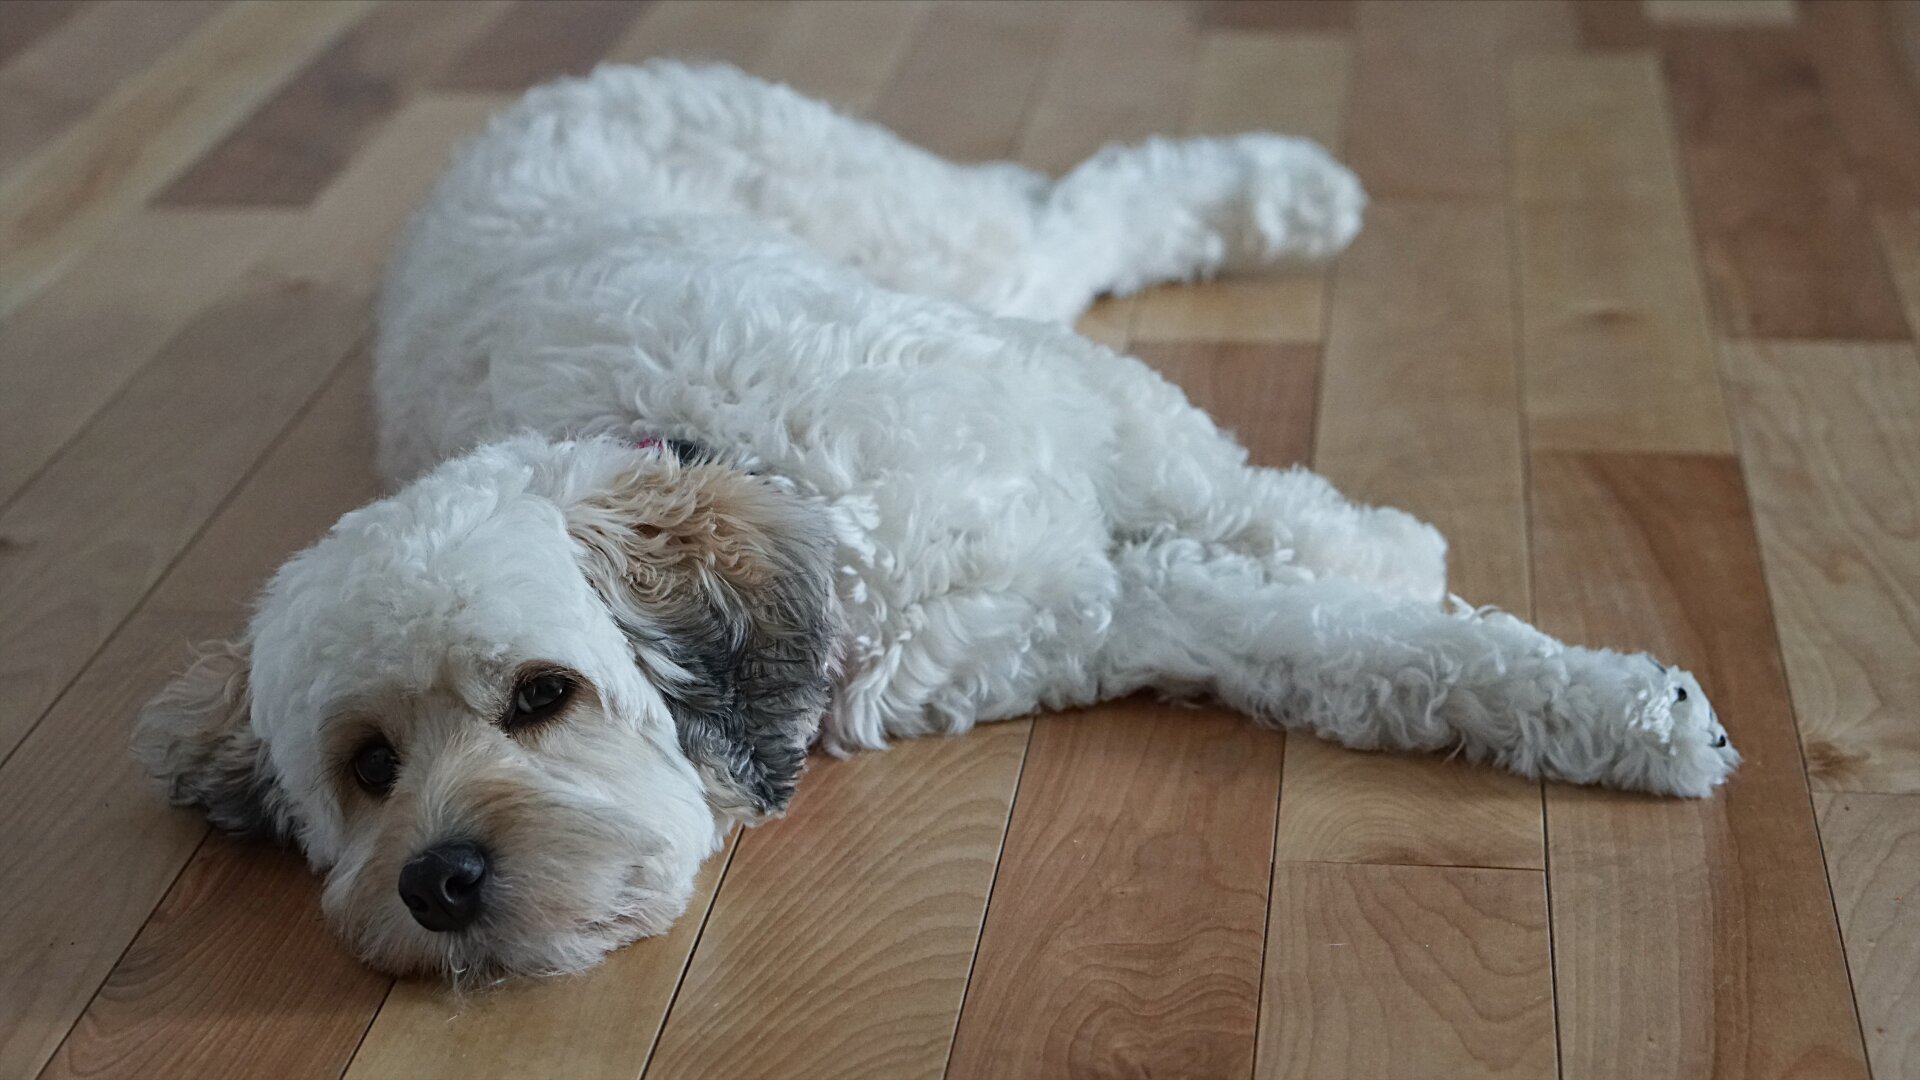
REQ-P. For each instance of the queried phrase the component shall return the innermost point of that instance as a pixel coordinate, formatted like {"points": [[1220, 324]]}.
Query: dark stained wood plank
{"points": [[1872, 102], [1406, 971], [1873, 855], [1124, 934], [841, 939], [27, 21], [62, 75], [235, 966], [301, 138], [1703, 927], [1779, 216], [1276, 15], [1264, 394], [1429, 99], [540, 40], [1012, 39]]}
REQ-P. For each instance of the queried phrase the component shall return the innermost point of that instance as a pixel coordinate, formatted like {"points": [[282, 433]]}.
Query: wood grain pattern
{"points": [[539, 40], [112, 311], [842, 51], [1617, 351], [209, 979], [63, 75], [1899, 235], [82, 820], [1869, 96], [1254, 82], [599, 1024], [873, 886], [87, 537], [1406, 971], [1721, 12], [734, 33], [1703, 927], [1873, 858], [1119, 74], [1010, 38], [1830, 435], [66, 198], [1133, 888], [1263, 394], [1777, 211], [1431, 88], [289, 149], [1418, 408]]}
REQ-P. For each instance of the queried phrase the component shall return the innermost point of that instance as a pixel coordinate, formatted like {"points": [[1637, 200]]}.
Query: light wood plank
{"points": [[1703, 927], [1011, 39], [289, 1000], [1406, 971], [67, 198], [1429, 98], [539, 40], [1120, 74], [1720, 12], [89, 537], [1873, 857], [599, 1024], [1830, 435], [1618, 353], [732, 33], [1418, 409], [69, 350], [1899, 236], [842, 51], [1124, 934], [1272, 15], [1294, 84], [1778, 212], [289, 150], [45, 89], [1263, 394], [842, 936], [90, 847]]}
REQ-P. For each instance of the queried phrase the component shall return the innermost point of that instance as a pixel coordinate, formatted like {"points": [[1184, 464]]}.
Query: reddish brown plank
{"points": [[1272, 15], [1429, 98], [1011, 38], [1872, 103], [1778, 214], [1264, 394], [300, 139], [540, 40], [1124, 934], [1702, 927], [289, 1000], [1406, 971]]}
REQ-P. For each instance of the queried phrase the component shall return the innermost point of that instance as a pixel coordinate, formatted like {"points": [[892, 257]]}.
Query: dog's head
{"points": [[510, 709]]}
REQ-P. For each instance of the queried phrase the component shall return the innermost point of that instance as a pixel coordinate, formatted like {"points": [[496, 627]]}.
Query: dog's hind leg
{"points": [[1371, 672]]}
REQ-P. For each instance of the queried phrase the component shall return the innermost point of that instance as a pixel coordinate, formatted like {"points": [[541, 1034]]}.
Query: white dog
{"points": [[729, 425]]}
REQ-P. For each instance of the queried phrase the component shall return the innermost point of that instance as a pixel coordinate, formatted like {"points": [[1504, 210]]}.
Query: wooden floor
{"points": [[1632, 319]]}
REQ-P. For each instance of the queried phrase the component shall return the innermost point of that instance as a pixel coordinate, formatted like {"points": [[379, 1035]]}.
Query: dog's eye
{"points": [[537, 698], [376, 766]]}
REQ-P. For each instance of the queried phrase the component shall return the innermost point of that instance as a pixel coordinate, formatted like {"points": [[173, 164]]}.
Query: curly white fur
{"points": [[1017, 517]]}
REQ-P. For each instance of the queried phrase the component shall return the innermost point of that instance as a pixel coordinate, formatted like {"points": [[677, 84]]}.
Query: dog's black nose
{"points": [[441, 886]]}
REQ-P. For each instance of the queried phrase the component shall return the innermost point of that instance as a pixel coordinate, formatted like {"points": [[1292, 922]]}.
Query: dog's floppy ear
{"points": [[195, 736], [722, 581]]}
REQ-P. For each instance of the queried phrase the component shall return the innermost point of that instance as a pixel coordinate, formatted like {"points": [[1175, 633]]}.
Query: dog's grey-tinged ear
{"points": [[195, 736], [722, 580]]}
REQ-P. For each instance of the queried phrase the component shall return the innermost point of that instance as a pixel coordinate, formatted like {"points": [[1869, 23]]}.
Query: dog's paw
{"points": [[1301, 204]]}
